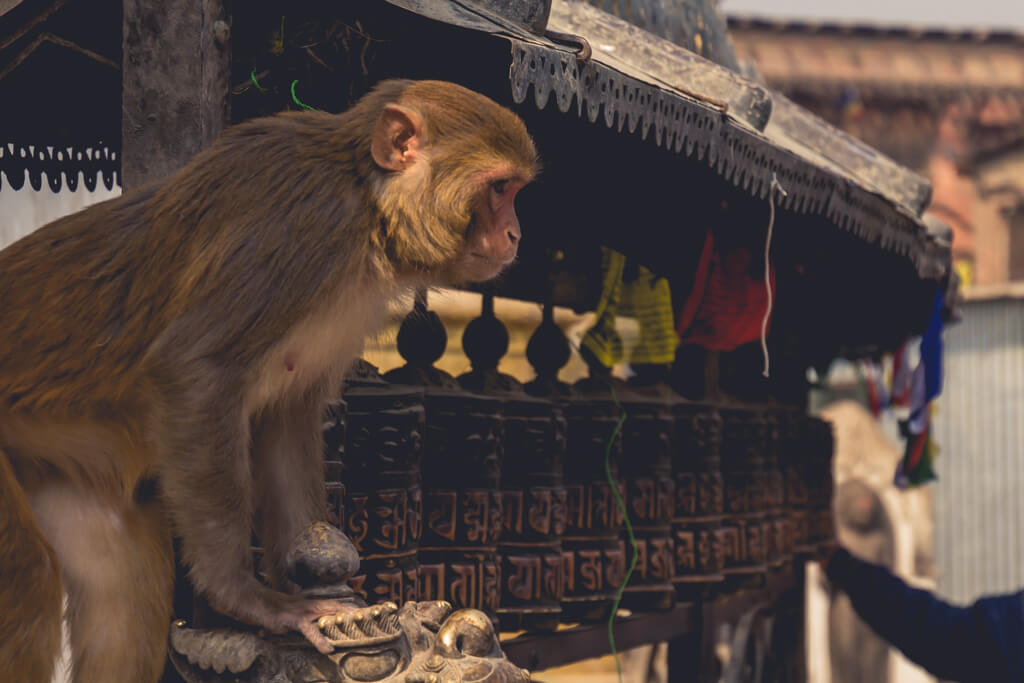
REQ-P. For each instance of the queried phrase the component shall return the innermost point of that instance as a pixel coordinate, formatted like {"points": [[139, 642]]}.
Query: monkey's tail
{"points": [[31, 595]]}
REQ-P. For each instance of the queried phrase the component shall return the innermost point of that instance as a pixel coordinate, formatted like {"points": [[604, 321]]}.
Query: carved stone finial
{"points": [[321, 561]]}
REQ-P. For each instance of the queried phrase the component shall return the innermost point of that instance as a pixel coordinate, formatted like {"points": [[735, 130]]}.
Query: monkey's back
{"points": [[72, 321]]}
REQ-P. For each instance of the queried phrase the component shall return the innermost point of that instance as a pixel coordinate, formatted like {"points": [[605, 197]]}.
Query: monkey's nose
{"points": [[513, 237]]}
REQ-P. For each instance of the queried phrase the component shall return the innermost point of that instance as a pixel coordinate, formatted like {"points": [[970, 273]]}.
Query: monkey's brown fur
{"points": [[190, 331]]}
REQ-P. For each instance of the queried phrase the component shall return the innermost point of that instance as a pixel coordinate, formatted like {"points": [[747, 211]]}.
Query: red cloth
{"points": [[727, 305]]}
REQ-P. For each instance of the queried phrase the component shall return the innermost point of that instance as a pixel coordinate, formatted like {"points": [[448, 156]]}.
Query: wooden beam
{"points": [[176, 89]]}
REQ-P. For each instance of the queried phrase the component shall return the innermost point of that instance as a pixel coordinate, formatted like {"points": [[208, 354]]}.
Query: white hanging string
{"points": [[767, 268]]}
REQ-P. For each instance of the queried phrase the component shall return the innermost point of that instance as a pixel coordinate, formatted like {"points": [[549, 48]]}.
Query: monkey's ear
{"points": [[396, 138]]}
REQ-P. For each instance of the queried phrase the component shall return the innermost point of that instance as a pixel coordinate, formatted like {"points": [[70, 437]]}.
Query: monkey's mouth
{"points": [[494, 261]]}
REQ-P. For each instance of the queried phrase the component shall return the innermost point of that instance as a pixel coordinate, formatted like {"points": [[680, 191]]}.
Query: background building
{"points": [[948, 103]]}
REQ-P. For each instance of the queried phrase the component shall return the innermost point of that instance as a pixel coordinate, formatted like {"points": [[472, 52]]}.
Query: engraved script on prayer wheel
{"points": [[532, 490], [743, 438], [592, 550], [462, 513], [534, 506], [646, 470], [699, 507], [384, 498]]}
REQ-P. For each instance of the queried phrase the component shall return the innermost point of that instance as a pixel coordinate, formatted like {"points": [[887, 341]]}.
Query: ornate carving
{"points": [[415, 643]]}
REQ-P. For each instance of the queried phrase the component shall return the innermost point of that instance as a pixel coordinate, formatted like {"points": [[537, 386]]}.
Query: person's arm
{"points": [[980, 642]]}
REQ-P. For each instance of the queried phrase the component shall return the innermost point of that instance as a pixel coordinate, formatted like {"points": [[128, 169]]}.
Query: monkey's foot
{"points": [[306, 617]]}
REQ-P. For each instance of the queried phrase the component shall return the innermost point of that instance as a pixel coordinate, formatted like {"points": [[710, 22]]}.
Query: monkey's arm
{"points": [[979, 642], [206, 479], [289, 477]]}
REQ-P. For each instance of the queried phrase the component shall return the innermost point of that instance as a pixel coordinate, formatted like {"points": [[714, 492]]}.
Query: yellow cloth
{"points": [[648, 299]]}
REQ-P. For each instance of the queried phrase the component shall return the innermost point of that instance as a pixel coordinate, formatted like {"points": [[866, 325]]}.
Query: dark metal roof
{"points": [[639, 83]]}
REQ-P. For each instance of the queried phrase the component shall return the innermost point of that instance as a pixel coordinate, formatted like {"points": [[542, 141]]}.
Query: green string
{"points": [[295, 98], [252, 77], [629, 531]]}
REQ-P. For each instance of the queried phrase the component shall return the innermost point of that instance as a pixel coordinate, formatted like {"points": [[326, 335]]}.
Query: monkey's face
{"points": [[492, 239], [447, 194]]}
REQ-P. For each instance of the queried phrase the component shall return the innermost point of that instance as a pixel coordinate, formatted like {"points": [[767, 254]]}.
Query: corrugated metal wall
{"points": [[979, 498]]}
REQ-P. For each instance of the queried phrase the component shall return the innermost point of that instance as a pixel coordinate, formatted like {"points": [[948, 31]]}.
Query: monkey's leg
{"points": [[31, 596], [289, 477], [206, 478], [118, 568]]}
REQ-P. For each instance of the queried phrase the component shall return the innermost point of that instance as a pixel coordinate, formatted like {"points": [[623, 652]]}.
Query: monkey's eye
{"points": [[499, 186]]}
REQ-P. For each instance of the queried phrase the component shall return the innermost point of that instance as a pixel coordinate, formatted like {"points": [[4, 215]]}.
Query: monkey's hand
{"points": [[312, 618], [276, 612]]}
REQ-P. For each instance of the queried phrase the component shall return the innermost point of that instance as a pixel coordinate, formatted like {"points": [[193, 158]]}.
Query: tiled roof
{"points": [[929, 63]]}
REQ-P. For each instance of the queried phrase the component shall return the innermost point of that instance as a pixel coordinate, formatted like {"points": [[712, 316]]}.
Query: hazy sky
{"points": [[1005, 14]]}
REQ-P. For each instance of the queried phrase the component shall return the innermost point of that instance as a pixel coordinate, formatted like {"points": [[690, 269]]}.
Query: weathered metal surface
{"points": [[693, 24], [633, 52], [530, 14], [835, 150]]}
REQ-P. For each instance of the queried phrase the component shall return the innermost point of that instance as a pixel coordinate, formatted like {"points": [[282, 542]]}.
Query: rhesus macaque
{"points": [[188, 334]]}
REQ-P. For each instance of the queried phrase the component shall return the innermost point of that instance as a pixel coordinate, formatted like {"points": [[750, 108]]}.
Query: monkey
{"points": [[190, 331]]}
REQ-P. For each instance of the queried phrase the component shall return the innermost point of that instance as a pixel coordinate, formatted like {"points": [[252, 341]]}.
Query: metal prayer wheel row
{"points": [[493, 495]]}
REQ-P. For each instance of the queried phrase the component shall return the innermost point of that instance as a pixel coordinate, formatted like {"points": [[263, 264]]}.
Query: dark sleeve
{"points": [[980, 642]]}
